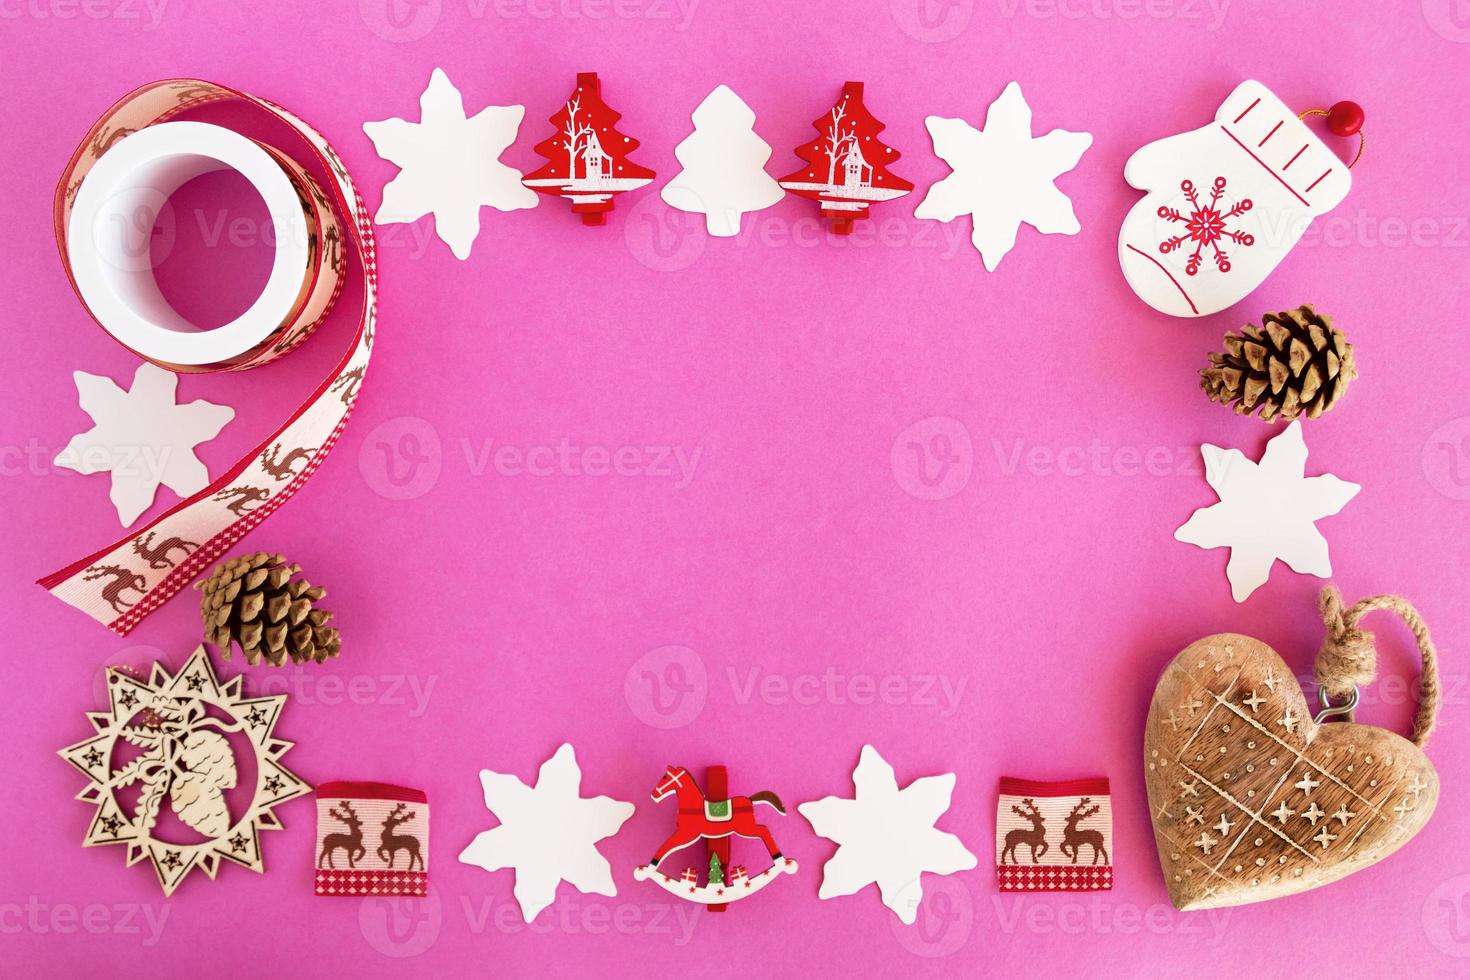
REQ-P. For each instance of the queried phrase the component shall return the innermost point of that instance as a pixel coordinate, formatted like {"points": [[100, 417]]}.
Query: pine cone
{"points": [[1295, 364], [252, 600]]}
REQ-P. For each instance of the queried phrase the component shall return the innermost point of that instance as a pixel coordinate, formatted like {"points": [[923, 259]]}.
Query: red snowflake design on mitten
{"points": [[1205, 226]]}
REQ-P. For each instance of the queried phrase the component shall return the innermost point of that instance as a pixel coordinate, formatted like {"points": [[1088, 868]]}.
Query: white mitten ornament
{"points": [[1226, 202]]}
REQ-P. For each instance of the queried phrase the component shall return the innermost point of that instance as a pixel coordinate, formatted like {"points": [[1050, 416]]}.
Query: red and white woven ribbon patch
{"points": [[1054, 836], [371, 839]]}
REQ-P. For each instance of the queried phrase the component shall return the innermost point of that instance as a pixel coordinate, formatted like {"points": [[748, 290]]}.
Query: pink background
{"points": [[1046, 582]]}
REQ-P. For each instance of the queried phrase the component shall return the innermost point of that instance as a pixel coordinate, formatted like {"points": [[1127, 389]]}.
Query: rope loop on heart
{"points": [[1347, 659]]}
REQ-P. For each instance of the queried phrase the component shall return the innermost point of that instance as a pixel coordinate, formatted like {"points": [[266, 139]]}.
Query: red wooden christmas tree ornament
{"points": [[847, 165], [587, 159]]}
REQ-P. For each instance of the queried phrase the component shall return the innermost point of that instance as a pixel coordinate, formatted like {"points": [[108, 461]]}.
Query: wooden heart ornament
{"points": [[1251, 799]]}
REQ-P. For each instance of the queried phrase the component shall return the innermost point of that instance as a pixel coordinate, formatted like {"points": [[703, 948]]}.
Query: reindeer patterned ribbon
{"points": [[371, 839], [124, 582], [1054, 836]]}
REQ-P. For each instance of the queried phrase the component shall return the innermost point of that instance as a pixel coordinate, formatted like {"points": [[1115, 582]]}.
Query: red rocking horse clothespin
{"points": [[717, 785], [714, 817]]}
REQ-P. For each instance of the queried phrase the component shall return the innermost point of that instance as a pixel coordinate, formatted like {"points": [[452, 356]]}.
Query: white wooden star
{"points": [[1313, 813], [142, 437], [1194, 814], [548, 833], [1270, 680], [1306, 784], [1267, 510], [1324, 837], [1282, 812], [1289, 720], [1003, 176], [1224, 825], [1205, 842], [449, 164], [1253, 702], [886, 835], [1343, 814]]}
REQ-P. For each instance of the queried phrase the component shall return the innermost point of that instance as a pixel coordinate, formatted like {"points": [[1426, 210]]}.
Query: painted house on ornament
{"points": [[595, 161], [856, 171]]}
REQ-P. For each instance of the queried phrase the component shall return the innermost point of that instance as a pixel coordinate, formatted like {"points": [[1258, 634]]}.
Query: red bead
{"points": [[1345, 118]]}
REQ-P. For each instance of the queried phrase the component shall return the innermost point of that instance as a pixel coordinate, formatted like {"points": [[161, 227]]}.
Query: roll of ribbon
{"points": [[128, 164], [113, 272]]}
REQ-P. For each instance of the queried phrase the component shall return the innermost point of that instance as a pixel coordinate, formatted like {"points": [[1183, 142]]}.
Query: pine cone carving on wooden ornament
{"points": [[254, 601], [1295, 364], [197, 795]]}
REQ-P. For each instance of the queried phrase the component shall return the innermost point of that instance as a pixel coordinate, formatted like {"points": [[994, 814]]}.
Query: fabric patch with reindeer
{"points": [[1054, 836], [371, 839]]}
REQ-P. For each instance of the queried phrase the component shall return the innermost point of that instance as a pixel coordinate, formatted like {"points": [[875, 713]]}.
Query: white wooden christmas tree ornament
{"points": [[450, 164], [1003, 176], [886, 835], [1267, 510], [724, 166], [142, 437], [169, 736], [548, 833], [1224, 203]]}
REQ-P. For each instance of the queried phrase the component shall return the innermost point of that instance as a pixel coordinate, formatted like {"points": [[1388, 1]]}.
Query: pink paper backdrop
{"points": [[494, 608]]}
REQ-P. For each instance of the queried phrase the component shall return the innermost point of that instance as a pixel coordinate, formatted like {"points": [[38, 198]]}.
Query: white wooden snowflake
{"points": [[1003, 176], [548, 833], [886, 835], [1267, 510], [450, 164], [142, 437]]}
